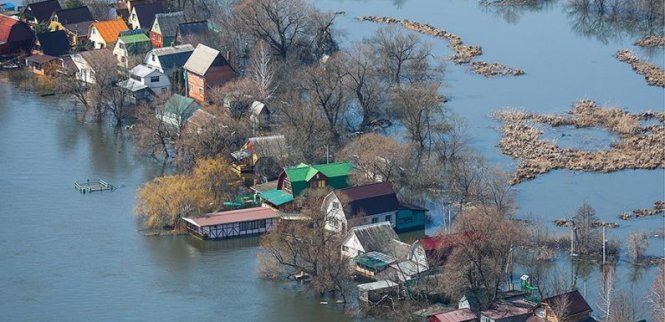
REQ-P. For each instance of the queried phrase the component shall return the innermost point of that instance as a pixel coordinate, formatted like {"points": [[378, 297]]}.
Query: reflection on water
{"points": [[590, 139], [511, 11]]}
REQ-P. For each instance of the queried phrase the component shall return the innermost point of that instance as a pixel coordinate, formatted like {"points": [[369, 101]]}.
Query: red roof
{"points": [[442, 241], [461, 315], [233, 216], [6, 24]]}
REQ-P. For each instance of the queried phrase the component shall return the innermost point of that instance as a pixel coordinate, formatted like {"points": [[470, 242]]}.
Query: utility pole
{"points": [[327, 155]]}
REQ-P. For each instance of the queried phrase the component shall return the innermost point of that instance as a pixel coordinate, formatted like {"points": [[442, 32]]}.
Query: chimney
{"points": [[228, 56]]}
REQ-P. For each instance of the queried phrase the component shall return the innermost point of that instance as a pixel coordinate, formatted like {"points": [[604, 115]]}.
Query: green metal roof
{"points": [[276, 197], [374, 260], [304, 172], [136, 38], [181, 105]]}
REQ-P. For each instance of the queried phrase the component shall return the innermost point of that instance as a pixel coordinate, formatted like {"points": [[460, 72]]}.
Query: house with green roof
{"points": [[177, 110], [131, 43], [294, 180]]}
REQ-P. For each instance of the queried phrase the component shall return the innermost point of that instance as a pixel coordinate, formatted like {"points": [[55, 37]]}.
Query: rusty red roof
{"points": [[6, 24], [461, 315], [233, 216]]}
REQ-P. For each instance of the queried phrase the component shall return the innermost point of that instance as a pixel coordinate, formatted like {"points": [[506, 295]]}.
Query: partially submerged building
{"points": [[233, 223], [376, 292], [177, 110], [145, 82]]}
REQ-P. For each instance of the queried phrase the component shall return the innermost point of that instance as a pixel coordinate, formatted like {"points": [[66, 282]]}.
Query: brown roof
{"points": [[369, 199], [461, 315], [233, 216], [576, 303], [507, 310], [41, 59]]}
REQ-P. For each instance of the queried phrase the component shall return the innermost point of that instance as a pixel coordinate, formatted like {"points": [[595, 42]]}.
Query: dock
{"points": [[92, 186]]}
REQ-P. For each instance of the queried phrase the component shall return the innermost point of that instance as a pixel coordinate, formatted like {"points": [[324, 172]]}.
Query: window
{"points": [[122, 59], [321, 184], [389, 218], [154, 79], [201, 91], [121, 45], [335, 205], [55, 18], [251, 225], [345, 248], [153, 57], [375, 220], [92, 31]]}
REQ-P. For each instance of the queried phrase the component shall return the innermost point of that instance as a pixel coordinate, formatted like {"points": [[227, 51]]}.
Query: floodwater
{"points": [[68, 256]]}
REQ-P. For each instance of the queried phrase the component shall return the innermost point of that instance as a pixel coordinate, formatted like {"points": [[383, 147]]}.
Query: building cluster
{"points": [[151, 47]]}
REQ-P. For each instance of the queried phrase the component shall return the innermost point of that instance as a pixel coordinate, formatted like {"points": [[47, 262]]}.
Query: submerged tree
{"points": [[587, 235]]}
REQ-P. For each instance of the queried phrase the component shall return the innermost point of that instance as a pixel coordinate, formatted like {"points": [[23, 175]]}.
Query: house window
{"points": [[55, 18], [154, 79], [251, 225], [389, 218], [121, 45], [92, 31], [321, 184], [345, 248], [153, 57], [375, 220], [201, 91], [335, 205]]}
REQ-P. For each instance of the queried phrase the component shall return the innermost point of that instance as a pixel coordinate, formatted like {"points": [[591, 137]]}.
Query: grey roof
{"points": [[168, 22], [203, 58], [174, 56], [141, 70], [376, 285], [80, 29], [269, 146], [146, 12], [73, 16], [132, 85], [376, 237]]}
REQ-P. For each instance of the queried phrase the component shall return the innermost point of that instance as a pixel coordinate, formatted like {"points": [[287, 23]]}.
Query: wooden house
{"points": [[177, 110], [145, 82], [74, 21], [193, 32], [104, 34], [165, 27], [40, 12], [459, 315], [246, 160], [206, 68], [294, 180], [52, 43], [259, 115], [43, 64], [131, 43], [169, 60], [371, 203], [568, 307], [233, 223], [378, 253], [15, 36], [142, 15]]}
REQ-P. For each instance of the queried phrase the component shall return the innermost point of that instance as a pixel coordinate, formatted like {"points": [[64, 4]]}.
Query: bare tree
{"points": [[637, 245], [587, 236], [154, 136], [364, 81], [262, 73], [606, 292], [656, 297]]}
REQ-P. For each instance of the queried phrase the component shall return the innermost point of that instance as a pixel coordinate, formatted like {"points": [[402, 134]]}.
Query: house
{"points": [[188, 32], [233, 223], [459, 315], [292, 181], [177, 110], [206, 68], [15, 36], [370, 203], [40, 12], [164, 28], [169, 59], [74, 21], [516, 311], [145, 82], [130, 44], [43, 64], [142, 15], [378, 253], [376, 291], [104, 34], [84, 64], [52, 43], [259, 115], [264, 147], [568, 307]]}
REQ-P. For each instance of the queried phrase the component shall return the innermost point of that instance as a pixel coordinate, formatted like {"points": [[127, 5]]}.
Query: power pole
{"points": [[327, 155]]}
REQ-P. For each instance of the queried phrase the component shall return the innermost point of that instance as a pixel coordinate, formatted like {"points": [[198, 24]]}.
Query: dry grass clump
{"points": [[651, 42], [463, 53], [654, 75], [639, 148], [658, 208]]}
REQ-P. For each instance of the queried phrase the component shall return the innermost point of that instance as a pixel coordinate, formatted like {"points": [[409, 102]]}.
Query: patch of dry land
{"points": [[651, 42], [654, 75], [658, 208], [463, 53], [640, 147]]}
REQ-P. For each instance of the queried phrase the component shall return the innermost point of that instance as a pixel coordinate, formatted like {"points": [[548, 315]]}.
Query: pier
{"points": [[92, 186]]}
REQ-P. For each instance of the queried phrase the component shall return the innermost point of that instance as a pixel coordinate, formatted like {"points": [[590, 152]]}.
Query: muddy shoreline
{"points": [[463, 54], [653, 74], [639, 147], [657, 209]]}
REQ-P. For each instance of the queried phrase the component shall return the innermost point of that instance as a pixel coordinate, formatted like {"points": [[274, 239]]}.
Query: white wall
{"points": [[351, 247], [96, 38]]}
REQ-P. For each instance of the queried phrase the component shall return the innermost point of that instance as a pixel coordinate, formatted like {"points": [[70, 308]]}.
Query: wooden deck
{"points": [[92, 186]]}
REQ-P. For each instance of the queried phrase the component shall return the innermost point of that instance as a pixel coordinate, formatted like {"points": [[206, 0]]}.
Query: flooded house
{"points": [[15, 36], [370, 204], [73, 21], [164, 28], [375, 292], [170, 61], [142, 15], [379, 254], [206, 68], [233, 223], [178, 110], [104, 34], [40, 12], [146, 82], [85, 63], [41, 64], [292, 181]]}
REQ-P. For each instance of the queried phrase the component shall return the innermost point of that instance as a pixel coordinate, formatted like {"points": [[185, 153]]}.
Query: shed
{"points": [[377, 291], [259, 114], [233, 223], [178, 109], [42, 64]]}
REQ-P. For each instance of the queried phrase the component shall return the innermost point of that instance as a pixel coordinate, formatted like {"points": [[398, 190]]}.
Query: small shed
{"points": [[459, 315], [259, 114], [233, 223], [375, 292], [43, 64]]}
